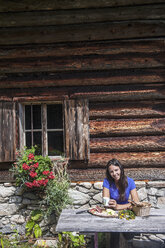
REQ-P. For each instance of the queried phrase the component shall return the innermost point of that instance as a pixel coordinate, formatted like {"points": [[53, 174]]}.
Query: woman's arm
{"points": [[134, 195], [106, 192], [113, 204]]}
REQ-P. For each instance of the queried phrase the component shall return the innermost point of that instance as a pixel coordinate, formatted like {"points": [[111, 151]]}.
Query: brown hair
{"points": [[123, 183]]}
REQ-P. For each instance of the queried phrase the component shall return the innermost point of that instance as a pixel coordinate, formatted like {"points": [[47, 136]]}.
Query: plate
{"points": [[103, 212]]}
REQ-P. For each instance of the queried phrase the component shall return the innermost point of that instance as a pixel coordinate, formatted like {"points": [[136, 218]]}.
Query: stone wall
{"points": [[16, 205], [15, 208]]}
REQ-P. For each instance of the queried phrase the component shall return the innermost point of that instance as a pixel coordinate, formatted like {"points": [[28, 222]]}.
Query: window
{"points": [[43, 126]]}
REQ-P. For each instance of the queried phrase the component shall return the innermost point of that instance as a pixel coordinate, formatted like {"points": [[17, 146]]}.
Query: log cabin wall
{"points": [[107, 53]]}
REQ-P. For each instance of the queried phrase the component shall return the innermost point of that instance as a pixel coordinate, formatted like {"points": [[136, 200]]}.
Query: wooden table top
{"points": [[88, 223]]}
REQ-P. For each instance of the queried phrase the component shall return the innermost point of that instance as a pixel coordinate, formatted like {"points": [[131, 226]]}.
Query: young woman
{"points": [[118, 187]]}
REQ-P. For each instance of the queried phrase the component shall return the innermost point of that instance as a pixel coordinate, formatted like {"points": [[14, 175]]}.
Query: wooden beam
{"points": [[131, 76], [97, 174], [127, 144], [129, 159], [113, 48], [126, 127], [29, 5], [126, 109], [94, 93], [82, 32], [76, 16], [82, 63], [121, 92]]}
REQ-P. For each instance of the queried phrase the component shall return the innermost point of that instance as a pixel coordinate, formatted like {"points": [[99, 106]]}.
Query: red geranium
{"points": [[25, 166], [35, 165], [45, 172], [29, 185], [31, 156], [33, 174], [33, 170]]}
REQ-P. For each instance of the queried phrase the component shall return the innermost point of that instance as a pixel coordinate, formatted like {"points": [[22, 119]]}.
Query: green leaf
{"points": [[29, 225], [28, 234], [36, 215], [60, 237], [2, 243], [37, 231]]}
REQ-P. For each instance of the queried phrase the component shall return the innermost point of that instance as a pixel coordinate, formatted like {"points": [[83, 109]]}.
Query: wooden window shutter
{"points": [[76, 129], [7, 131]]}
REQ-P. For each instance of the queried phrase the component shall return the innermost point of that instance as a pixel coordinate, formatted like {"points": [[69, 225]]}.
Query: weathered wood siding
{"points": [[109, 54], [132, 132], [7, 131], [76, 129]]}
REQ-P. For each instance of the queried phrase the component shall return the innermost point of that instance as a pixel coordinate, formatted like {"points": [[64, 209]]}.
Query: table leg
{"points": [[96, 240]]}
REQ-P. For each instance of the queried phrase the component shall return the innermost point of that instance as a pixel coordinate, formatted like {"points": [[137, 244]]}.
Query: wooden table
{"points": [[88, 223]]}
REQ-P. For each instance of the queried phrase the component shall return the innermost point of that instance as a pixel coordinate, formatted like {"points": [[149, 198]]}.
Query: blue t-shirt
{"points": [[114, 192]]}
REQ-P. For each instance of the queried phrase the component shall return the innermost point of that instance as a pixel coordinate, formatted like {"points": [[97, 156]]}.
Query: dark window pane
{"points": [[27, 117], [28, 139], [37, 140], [55, 143], [36, 117], [54, 116]]}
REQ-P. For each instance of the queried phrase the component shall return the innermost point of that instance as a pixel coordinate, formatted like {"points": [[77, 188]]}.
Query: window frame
{"points": [[44, 130]]}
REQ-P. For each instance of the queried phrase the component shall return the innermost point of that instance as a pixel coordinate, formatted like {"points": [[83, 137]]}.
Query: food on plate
{"points": [[103, 212]]}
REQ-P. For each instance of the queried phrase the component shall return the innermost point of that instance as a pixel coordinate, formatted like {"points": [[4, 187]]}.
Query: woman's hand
{"points": [[113, 204]]}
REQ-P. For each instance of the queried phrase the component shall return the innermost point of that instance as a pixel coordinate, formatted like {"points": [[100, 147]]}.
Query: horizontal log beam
{"points": [[82, 63], [94, 93], [76, 16], [82, 32], [97, 174], [86, 49], [129, 159], [132, 76], [121, 96], [123, 144], [127, 110], [127, 127], [29, 5]]}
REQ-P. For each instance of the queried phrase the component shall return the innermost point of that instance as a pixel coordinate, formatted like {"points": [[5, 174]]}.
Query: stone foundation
{"points": [[16, 205], [15, 208]]}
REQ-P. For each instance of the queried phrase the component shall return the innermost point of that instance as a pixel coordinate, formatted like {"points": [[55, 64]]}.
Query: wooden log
{"points": [[60, 17], [129, 159], [6, 176], [86, 49], [131, 76], [82, 32], [123, 144], [94, 93], [82, 63], [146, 173], [121, 93], [97, 174], [127, 127], [29, 5], [38, 98], [126, 110]]}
